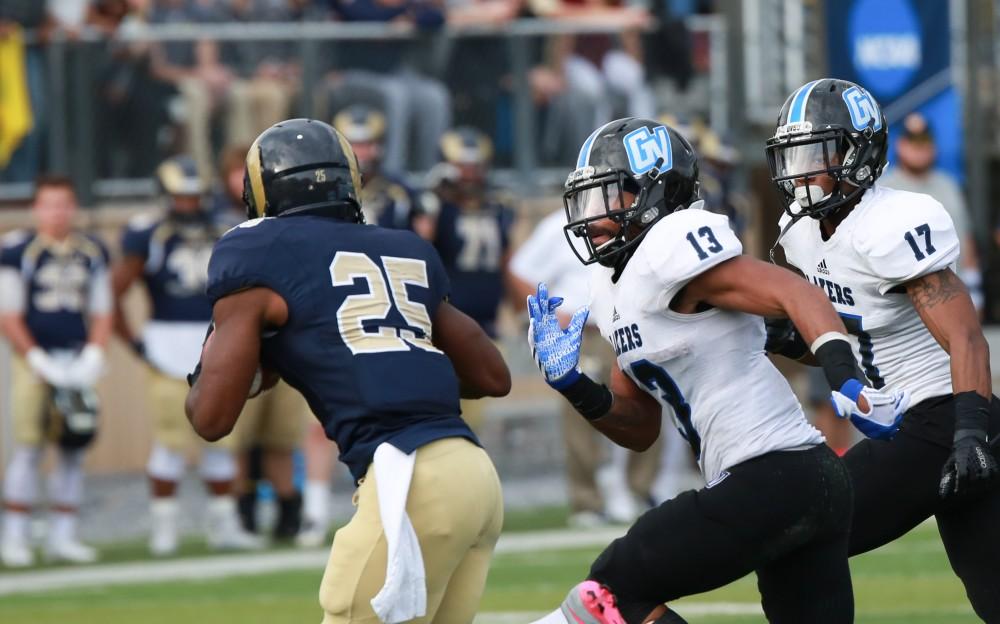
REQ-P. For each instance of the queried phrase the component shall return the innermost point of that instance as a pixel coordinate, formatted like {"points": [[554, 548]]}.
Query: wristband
{"points": [[588, 397], [837, 359], [972, 415]]}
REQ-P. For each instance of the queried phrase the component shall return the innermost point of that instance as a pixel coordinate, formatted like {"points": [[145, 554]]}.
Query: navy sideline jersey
{"points": [[357, 341], [472, 244], [176, 253], [389, 202], [58, 277]]}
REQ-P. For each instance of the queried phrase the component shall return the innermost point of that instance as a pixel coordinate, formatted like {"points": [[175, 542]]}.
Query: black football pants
{"points": [[785, 515], [896, 488]]}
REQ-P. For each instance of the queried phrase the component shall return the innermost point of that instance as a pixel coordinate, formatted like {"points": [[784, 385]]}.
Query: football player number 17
{"points": [[921, 231], [378, 303]]}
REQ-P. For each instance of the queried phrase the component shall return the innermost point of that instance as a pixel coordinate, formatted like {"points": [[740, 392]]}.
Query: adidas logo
{"points": [[821, 267], [614, 315]]}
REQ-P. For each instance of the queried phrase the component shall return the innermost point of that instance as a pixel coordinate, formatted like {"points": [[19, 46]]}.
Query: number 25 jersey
{"points": [[890, 238], [727, 398], [357, 343]]}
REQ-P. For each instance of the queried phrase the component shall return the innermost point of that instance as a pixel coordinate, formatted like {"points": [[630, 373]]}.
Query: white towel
{"points": [[404, 595]]}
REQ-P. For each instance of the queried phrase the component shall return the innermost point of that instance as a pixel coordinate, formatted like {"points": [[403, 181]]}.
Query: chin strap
{"points": [[794, 220]]}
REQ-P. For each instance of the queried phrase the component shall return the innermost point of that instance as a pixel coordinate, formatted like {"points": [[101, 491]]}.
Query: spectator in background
{"points": [[170, 253], [481, 91], [267, 72], [471, 233], [585, 80], [915, 172], [16, 18], [386, 199], [384, 74], [546, 257], [55, 309]]}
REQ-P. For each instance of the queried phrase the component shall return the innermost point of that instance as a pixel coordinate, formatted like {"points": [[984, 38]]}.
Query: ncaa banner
{"points": [[900, 51]]}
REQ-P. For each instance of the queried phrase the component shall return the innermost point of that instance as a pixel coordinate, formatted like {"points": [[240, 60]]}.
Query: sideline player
{"points": [[885, 259], [356, 318], [55, 309], [681, 307], [170, 252]]}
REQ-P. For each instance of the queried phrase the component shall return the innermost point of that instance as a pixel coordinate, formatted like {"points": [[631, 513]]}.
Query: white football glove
{"points": [[86, 368], [52, 371], [556, 350], [885, 410]]}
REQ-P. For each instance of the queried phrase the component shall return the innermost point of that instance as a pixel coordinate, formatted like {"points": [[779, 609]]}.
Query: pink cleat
{"points": [[591, 603]]}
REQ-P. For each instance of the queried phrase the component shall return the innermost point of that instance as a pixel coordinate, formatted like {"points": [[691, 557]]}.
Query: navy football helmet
{"points": [[827, 127], [634, 172], [71, 416], [302, 165]]}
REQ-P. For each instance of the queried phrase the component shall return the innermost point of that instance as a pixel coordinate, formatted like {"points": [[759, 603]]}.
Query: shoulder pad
{"points": [[903, 236], [685, 244], [144, 220], [15, 238]]}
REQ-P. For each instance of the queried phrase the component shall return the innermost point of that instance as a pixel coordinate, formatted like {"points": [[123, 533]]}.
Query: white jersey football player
{"points": [[681, 307], [885, 259]]}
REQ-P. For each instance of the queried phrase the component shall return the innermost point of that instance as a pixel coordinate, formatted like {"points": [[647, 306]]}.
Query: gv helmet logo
{"points": [[863, 109], [644, 148]]}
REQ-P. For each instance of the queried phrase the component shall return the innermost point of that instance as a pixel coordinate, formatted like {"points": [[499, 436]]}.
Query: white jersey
{"points": [[890, 238], [709, 368]]}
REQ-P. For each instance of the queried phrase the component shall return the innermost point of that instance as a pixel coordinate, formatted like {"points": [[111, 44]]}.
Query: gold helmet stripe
{"points": [[352, 162], [255, 175]]}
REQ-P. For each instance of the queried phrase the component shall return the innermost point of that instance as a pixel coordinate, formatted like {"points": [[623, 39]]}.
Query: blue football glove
{"points": [[885, 411], [556, 350]]}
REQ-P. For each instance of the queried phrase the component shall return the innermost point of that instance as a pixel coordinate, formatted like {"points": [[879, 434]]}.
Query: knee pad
{"points": [[165, 464], [217, 465], [66, 481], [20, 484]]}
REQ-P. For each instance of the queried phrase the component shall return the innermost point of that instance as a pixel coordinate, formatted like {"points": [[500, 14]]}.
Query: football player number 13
{"points": [[655, 379], [379, 301], [706, 236]]}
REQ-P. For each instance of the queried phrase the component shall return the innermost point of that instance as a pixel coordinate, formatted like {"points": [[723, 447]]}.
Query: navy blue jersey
{"points": [[357, 343], [388, 201], [472, 244], [176, 254], [58, 278]]}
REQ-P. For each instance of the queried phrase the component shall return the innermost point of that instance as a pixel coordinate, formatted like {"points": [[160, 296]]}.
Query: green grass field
{"points": [[906, 582]]}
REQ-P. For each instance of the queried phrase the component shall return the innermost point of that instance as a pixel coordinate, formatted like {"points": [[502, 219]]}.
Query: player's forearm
{"points": [[811, 312], [629, 423], [15, 330], [101, 326], [970, 363]]}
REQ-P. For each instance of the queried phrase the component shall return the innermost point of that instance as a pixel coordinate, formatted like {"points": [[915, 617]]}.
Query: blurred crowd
{"points": [[155, 98]]}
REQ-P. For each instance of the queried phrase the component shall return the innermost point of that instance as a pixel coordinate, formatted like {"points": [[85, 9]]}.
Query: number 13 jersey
{"points": [[709, 368], [890, 238]]}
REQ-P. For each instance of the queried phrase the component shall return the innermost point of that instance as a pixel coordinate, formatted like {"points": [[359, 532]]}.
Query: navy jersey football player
{"points": [[356, 318], [886, 259], [55, 309], [681, 306], [472, 232], [169, 251], [386, 199]]}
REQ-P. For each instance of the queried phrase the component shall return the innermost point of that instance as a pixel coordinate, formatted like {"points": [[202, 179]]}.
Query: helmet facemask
{"points": [[633, 203]]}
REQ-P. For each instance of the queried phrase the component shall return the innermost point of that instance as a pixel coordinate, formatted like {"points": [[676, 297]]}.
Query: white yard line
{"points": [[250, 564]]}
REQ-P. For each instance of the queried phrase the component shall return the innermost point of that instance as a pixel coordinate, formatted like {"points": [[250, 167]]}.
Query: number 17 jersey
{"points": [[709, 368], [890, 238], [357, 343]]}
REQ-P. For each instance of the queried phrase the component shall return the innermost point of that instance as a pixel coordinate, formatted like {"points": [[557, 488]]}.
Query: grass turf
{"points": [[908, 581]]}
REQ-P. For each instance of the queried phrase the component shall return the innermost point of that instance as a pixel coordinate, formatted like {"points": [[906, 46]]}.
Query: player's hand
{"points": [[556, 350], [52, 372], [971, 467], [86, 368], [885, 410]]}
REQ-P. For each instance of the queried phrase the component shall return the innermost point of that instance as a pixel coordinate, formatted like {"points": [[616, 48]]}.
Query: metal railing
{"points": [[73, 103]]}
